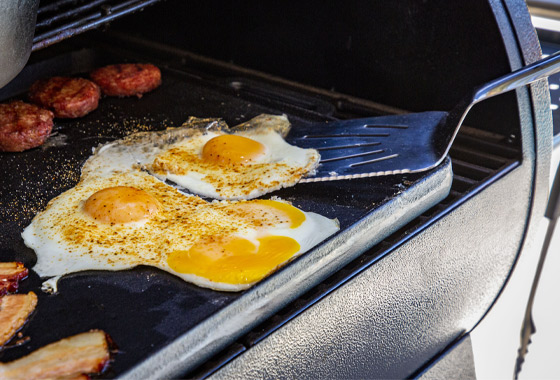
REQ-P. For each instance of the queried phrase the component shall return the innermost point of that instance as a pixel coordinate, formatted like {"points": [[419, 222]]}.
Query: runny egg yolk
{"points": [[121, 204], [234, 260], [232, 150], [268, 213]]}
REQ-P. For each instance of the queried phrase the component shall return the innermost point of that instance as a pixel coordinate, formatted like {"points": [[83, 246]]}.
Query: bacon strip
{"points": [[68, 358], [14, 311], [10, 275]]}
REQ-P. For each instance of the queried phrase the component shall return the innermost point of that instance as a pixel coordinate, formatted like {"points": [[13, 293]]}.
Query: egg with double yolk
{"points": [[279, 233]]}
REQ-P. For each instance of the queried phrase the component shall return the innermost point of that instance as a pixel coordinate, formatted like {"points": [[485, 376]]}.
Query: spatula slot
{"points": [[374, 160], [385, 126], [349, 146], [353, 156], [346, 135]]}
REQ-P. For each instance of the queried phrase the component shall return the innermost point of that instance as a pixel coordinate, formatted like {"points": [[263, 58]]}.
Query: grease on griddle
{"points": [[37, 185]]}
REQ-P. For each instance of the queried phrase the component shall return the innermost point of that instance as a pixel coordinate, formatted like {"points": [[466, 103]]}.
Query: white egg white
{"points": [[67, 240]]}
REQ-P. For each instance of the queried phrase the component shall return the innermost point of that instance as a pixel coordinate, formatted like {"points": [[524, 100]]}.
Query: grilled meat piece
{"points": [[68, 358], [23, 126], [66, 97], [14, 312], [127, 79], [10, 275]]}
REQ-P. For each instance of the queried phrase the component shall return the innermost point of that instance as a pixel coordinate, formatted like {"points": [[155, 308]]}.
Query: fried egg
{"points": [[244, 162], [116, 220]]}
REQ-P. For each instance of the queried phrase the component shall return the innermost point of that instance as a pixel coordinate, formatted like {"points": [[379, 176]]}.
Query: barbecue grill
{"points": [[420, 258]]}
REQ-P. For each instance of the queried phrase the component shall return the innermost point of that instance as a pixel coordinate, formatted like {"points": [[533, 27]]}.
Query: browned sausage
{"points": [[23, 126], [66, 97], [127, 79]]}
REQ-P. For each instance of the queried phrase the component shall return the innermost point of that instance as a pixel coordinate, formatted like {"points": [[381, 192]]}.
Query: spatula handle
{"points": [[519, 78]]}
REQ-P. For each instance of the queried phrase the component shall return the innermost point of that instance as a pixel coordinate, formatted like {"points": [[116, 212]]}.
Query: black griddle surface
{"points": [[142, 309]]}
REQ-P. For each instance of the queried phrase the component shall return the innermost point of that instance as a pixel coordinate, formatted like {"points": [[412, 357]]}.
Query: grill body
{"points": [[392, 314]]}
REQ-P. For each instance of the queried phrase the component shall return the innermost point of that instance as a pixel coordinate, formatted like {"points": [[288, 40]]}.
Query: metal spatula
{"points": [[405, 143]]}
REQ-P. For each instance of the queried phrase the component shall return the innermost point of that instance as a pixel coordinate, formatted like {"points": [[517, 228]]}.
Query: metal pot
{"points": [[17, 26]]}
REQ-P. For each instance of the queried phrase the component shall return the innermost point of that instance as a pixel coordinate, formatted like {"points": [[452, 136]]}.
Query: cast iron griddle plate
{"points": [[143, 309]]}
